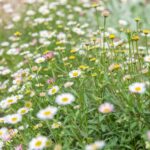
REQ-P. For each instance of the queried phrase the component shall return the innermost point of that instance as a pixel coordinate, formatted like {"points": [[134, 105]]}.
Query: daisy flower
{"points": [[68, 84], [13, 119], [106, 108], [137, 88], [47, 113], [3, 133], [95, 146], [113, 67], [147, 58], [40, 60], [38, 143], [65, 99], [23, 110], [53, 90], [1, 145], [11, 100], [148, 134], [74, 73], [56, 125]]}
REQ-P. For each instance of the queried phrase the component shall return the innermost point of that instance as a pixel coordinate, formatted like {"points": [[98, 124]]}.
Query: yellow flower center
{"points": [[106, 110], [47, 113], [116, 66], [53, 91], [14, 119], [28, 104], [138, 89], [94, 147], [38, 143], [1, 133], [65, 99], [10, 100], [23, 111], [75, 74]]}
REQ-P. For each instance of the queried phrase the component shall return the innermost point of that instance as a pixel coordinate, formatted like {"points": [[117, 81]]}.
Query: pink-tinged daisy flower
{"points": [[48, 55], [95, 146], [106, 108], [147, 58]]}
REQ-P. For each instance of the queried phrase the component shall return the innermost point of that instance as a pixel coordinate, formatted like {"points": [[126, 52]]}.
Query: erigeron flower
{"points": [[35, 68], [105, 13], [68, 84], [106, 108], [137, 88], [56, 125], [8, 101], [13, 119], [4, 133], [39, 60], [123, 22], [47, 113], [42, 94], [113, 67], [38, 143], [49, 55], [95, 146], [74, 73], [127, 77], [53, 90], [23, 110], [3, 104], [51, 80], [30, 12], [37, 126], [1, 119], [11, 100], [65, 99], [58, 147], [1, 145], [19, 147], [77, 107], [147, 58], [28, 104], [148, 135], [13, 88]]}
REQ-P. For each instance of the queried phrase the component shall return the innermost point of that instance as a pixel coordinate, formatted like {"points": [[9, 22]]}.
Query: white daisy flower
{"points": [[3, 133], [65, 99], [11, 100], [123, 22], [147, 58], [1, 145], [137, 88], [53, 90], [38, 143], [23, 110], [47, 113], [106, 108], [56, 125], [13, 119], [13, 88], [75, 73], [95, 146], [3, 104], [39, 60], [68, 84]]}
